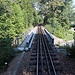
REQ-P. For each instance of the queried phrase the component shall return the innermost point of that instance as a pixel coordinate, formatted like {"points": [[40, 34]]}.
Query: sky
{"points": [[73, 2]]}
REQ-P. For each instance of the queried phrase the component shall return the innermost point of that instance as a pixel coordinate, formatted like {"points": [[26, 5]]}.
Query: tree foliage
{"points": [[15, 17], [57, 13]]}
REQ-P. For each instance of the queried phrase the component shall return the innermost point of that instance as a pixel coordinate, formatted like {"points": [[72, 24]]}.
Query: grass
{"points": [[68, 35], [49, 28]]}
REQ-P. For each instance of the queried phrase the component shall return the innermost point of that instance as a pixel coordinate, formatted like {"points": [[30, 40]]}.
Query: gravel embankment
{"points": [[67, 65]]}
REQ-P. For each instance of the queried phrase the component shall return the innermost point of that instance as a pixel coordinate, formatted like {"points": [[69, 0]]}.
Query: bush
{"points": [[71, 50], [6, 56], [7, 53]]}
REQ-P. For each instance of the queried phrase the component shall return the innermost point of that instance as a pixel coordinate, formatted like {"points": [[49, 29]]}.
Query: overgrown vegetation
{"points": [[15, 17], [69, 49]]}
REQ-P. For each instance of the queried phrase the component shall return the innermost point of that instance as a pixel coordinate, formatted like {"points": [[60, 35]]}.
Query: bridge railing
{"points": [[18, 40]]}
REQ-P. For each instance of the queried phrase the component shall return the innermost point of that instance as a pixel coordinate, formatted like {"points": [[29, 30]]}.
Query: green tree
{"points": [[15, 17], [57, 13]]}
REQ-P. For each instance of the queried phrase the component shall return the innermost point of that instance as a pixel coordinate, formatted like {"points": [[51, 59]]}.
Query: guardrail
{"points": [[18, 40], [49, 36]]}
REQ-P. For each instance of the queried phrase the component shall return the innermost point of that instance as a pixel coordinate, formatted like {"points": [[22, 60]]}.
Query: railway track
{"points": [[43, 56]]}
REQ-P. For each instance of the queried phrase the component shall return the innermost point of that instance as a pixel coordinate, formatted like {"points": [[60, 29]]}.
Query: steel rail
{"points": [[41, 54], [54, 72], [37, 65], [47, 63]]}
